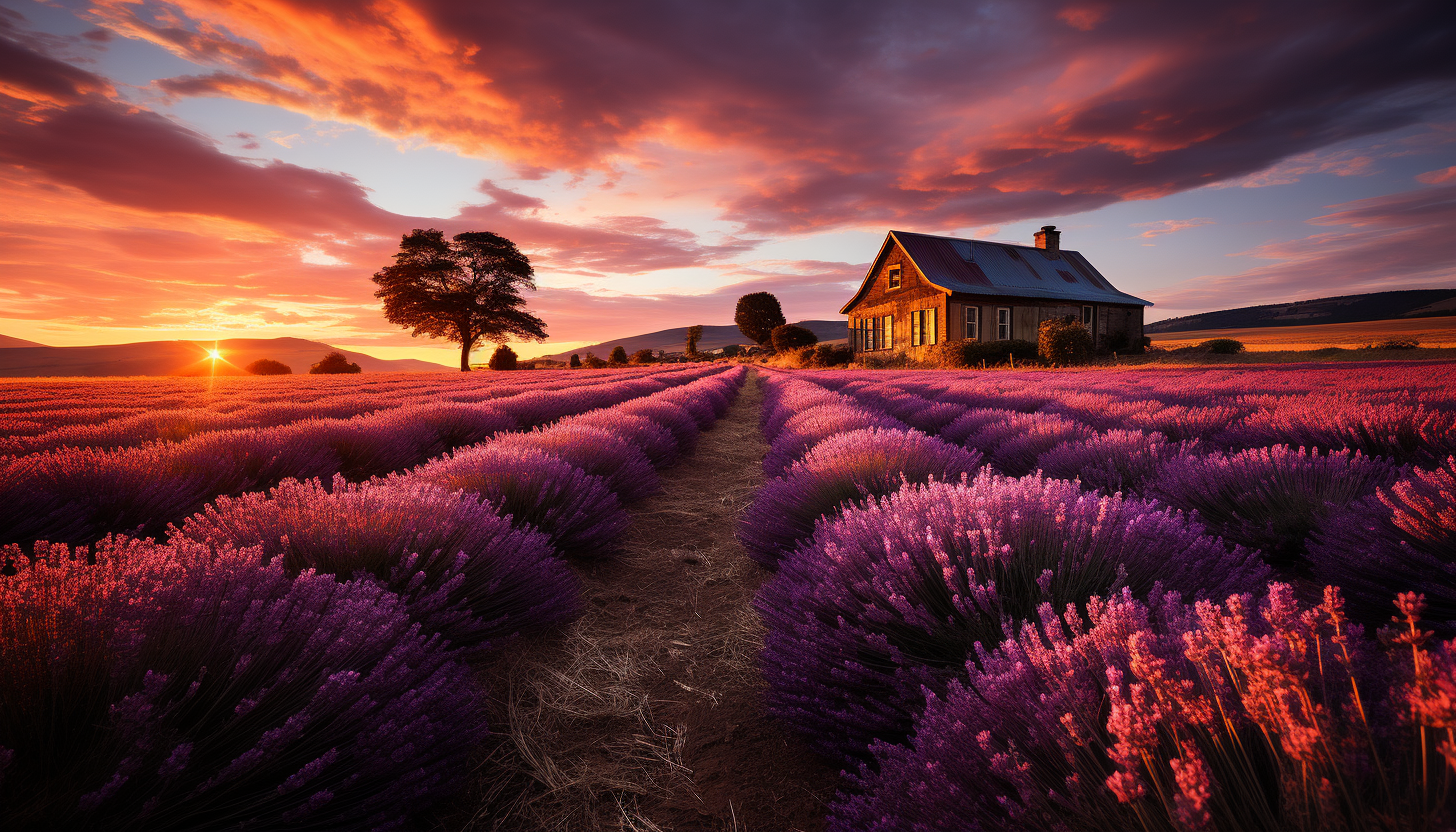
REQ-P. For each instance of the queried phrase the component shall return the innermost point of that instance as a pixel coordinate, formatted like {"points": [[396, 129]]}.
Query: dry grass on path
{"points": [[646, 714]]}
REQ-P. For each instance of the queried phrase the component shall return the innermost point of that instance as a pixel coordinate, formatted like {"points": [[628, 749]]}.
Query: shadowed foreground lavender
{"points": [[182, 687], [1263, 716], [894, 597]]}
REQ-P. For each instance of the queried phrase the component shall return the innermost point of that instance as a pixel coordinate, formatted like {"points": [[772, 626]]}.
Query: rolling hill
{"points": [[671, 340], [1345, 309], [181, 358]]}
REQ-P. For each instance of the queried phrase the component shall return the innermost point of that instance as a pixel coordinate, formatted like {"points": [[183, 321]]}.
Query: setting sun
{"points": [[214, 354]]}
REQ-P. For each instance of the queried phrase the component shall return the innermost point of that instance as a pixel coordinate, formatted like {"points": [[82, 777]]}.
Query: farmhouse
{"points": [[923, 289]]}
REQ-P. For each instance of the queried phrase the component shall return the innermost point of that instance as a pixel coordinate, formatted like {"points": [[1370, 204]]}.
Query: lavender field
{"points": [[1147, 599]]}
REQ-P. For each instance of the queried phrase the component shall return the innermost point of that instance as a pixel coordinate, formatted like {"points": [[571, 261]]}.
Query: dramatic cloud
{"points": [[944, 114], [1400, 241]]}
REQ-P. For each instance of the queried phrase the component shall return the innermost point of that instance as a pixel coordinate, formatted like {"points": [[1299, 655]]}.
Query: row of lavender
{"points": [[77, 495], [105, 413], [904, 560], [294, 659]]}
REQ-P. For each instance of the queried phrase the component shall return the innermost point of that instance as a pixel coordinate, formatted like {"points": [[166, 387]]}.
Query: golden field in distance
{"points": [[1430, 332]]}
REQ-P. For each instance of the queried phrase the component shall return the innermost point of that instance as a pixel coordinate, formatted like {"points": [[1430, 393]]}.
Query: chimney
{"points": [[1050, 239]]}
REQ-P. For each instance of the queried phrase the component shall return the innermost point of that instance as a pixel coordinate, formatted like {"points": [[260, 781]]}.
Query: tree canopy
{"points": [[334, 363], [269, 367], [757, 315], [466, 289], [695, 334]]}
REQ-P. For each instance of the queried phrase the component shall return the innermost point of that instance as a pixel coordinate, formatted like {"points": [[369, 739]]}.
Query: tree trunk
{"points": [[465, 339]]}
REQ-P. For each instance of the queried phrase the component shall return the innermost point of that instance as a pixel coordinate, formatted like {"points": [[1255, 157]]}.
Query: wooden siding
{"points": [[915, 293]]}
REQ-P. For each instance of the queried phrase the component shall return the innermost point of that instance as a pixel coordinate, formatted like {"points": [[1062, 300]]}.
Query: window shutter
{"points": [[932, 328]]}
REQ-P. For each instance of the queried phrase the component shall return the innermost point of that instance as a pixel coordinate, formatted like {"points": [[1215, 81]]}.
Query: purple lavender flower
{"points": [[626, 469], [1402, 539], [656, 441], [842, 470], [815, 424], [576, 510], [184, 687], [463, 570], [1268, 498], [892, 597], [1116, 461]]}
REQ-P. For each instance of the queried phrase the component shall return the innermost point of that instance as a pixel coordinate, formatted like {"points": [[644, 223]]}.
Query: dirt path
{"points": [[647, 713]]}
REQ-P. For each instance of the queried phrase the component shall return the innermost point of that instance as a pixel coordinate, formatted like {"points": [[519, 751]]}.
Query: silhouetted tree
{"points": [[695, 334], [333, 363], [504, 358], [466, 289], [788, 337], [592, 362], [618, 356], [575, 363], [269, 367], [757, 315], [642, 357]]}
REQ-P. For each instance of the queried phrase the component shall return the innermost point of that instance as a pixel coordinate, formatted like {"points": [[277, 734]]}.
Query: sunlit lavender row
{"points": [[77, 495], [294, 658], [968, 568]]}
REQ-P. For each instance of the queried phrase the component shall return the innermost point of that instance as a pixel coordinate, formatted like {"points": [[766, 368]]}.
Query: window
{"points": [[973, 323], [1003, 324], [889, 332], [892, 276], [1089, 317], [922, 327]]}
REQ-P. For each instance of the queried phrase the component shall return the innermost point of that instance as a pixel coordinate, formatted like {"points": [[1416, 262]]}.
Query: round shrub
{"points": [[179, 687], [335, 363], [815, 424], [791, 337], [626, 469], [576, 510], [269, 367], [895, 596], [618, 355], [1268, 498], [504, 358], [1402, 539], [463, 570], [1063, 341], [1232, 717], [841, 470], [1223, 346]]}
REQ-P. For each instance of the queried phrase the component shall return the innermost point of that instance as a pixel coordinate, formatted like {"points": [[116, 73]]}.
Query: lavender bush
{"points": [[1402, 539], [656, 441], [1116, 461], [576, 510], [815, 424], [894, 596], [844, 469], [1402, 431], [463, 570], [1218, 717], [627, 470], [677, 420], [179, 687], [1269, 498]]}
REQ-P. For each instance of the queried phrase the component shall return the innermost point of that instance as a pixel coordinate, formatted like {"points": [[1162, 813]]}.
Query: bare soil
{"points": [[647, 713]]}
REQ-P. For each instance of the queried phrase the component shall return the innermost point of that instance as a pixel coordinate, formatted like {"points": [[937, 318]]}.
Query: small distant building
{"points": [[923, 289]]}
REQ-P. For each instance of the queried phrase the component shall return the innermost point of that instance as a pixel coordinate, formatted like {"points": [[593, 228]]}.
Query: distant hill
{"points": [[672, 340], [7, 341], [183, 358], [1346, 309]]}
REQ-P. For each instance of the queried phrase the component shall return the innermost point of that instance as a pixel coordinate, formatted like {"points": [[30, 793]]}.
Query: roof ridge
{"points": [[973, 240]]}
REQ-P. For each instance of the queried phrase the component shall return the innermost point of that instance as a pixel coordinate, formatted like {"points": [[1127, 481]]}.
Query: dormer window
{"points": [[892, 276]]}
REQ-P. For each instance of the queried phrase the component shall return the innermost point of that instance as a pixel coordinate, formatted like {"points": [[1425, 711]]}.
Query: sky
{"points": [[204, 169]]}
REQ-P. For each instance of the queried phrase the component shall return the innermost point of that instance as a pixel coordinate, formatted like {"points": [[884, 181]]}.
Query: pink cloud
{"points": [[1161, 227], [1438, 177], [1399, 241]]}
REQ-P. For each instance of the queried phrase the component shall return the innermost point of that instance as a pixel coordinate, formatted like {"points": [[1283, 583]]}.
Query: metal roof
{"points": [[977, 267]]}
